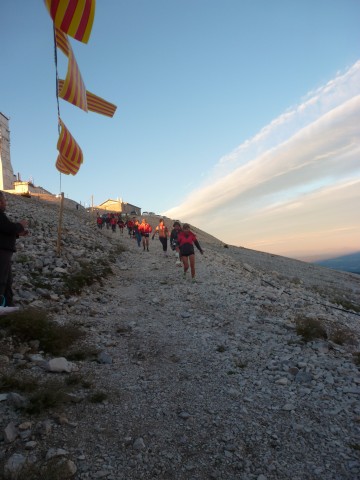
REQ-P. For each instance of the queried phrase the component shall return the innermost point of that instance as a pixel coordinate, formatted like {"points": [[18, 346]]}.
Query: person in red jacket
{"points": [[186, 240], [163, 232], [113, 222], [145, 229], [130, 226]]}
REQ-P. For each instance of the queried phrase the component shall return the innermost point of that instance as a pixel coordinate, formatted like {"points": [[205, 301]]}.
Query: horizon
{"points": [[248, 111]]}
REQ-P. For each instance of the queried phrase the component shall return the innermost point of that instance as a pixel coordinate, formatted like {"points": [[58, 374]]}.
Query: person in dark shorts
{"points": [[173, 241], [186, 240], [145, 229], [163, 233]]}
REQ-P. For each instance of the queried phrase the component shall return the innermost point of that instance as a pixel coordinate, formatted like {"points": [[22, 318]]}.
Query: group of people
{"points": [[110, 220], [182, 239], [182, 242]]}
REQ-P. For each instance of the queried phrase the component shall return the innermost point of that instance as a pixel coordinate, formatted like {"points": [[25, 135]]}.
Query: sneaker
{"points": [[193, 280]]}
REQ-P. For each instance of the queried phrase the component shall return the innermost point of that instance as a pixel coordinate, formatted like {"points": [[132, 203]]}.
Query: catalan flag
{"points": [[71, 156], [61, 166], [62, 42], [99, 105], [73, 17], [73, 89], [95, 103]]}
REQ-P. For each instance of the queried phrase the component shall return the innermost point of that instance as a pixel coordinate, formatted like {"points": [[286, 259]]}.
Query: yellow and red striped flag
{"points": [[61, 166], [73, 17], [99, 105], [72, 89], [62, 41], [71, 156], [94, 103]]}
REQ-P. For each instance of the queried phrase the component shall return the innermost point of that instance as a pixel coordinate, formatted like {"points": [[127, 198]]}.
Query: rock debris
{"points": [[188, 381]]}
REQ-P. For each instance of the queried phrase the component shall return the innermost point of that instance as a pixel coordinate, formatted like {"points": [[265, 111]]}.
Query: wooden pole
{"points": [[58, 245]]}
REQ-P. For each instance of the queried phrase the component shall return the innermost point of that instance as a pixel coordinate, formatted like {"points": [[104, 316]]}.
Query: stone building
{"points": [[8, 181], [119, 206], [6, 172]]}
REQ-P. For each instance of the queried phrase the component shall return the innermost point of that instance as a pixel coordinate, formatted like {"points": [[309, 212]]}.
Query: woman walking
{"points": [[163, 233], [174, 242], [186, 240], [145, 229]]}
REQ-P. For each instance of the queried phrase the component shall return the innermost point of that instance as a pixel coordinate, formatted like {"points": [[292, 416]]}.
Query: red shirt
{"points": [[145, 228], [186, 237]]}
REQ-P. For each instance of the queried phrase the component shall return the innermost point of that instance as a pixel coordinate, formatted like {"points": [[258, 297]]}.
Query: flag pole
{"points": [[58, 245]]}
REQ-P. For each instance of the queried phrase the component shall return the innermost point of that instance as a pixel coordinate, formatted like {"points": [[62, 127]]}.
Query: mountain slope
{"points": [[204, 380], [345, 263]]}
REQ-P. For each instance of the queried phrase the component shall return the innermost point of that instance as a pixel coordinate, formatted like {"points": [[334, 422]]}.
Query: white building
{"points": [[8, 181], [6, 172]]}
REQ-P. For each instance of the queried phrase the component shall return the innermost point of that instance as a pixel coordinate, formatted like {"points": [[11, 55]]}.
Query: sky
{"points": [[241, 117]]}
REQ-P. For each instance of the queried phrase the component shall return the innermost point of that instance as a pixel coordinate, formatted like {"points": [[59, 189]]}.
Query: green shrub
{"points": [[97, 397], [34, 324], [48, 396], [86, 276], [356, 356], [346, 304], [10, 383], [310, 329], [342, 336], [82, 354]]}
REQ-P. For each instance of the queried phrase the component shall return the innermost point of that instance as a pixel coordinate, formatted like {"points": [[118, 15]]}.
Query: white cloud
{"points": [[305, 151]]}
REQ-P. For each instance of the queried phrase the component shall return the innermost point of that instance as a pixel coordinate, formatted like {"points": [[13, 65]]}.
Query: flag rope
{"points": [[57, 88], [59, 130]]}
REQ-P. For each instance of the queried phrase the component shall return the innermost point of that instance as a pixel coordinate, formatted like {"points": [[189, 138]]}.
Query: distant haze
{"points": [[294, 188]]}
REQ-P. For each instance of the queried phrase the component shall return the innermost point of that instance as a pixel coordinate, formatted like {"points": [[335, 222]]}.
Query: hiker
{"points": [[186, 240], [136, 232], [145, 229], [113, 222], [173, 241], [163, 233], [130, 224], [9, 232], [99, 221], [121, 225]]}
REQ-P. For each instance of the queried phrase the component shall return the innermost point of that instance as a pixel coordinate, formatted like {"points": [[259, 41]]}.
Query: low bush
{"points": [[346, 304], [97, 397], [86, 276], [33, 324], [310, 329], [10, 383], [342, 336]]}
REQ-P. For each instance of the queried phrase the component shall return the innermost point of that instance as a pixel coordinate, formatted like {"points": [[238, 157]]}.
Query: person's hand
{"points": [[24, 223], [24, 233]]}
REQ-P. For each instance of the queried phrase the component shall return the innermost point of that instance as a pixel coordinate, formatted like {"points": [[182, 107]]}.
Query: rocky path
{"points": [[209, 380]]}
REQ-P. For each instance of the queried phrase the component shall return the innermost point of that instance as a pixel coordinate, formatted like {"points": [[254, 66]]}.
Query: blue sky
{"points": [[240, 116]]}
